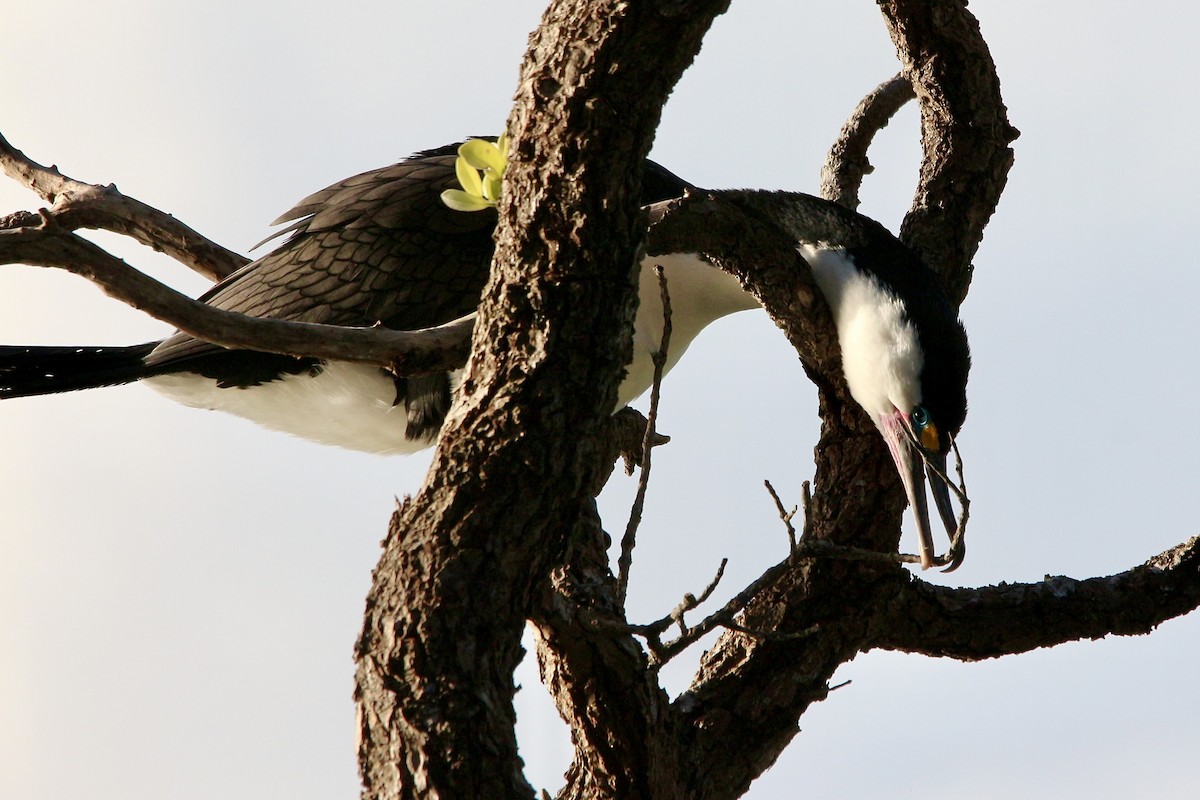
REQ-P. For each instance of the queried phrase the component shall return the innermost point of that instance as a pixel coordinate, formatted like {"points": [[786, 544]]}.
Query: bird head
{"points": [[905, 359]]}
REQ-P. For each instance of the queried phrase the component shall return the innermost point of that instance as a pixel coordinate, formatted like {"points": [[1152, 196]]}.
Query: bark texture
{"points": [[505, 529], [964, 133], [518, 458]]}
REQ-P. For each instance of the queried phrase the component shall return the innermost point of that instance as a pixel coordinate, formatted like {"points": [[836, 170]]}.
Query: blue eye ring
{"points": [[924, 431]]}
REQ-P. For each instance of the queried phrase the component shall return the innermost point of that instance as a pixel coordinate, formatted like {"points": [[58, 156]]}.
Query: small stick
{"points": [[786, 516], [659, 359]]}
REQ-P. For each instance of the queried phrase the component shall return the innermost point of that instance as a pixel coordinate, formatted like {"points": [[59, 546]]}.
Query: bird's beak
{"points": [[911, 466], [936, 469]]}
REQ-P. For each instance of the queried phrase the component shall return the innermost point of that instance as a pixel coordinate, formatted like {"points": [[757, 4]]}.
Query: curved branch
{"points": [[406, 352], [75, 204], [737, 239], [972, 624], [964, 133], [847, 162], [738, 728]]}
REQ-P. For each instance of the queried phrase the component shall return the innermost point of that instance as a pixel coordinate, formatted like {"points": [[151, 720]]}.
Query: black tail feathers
{"points": [[27, 371]]}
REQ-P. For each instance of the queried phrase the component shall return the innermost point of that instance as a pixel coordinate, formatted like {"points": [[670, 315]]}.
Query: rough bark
{"points": [[847, 163], [505, 528], [464, 559], [970, 624], [745, 702], [964, 133]]}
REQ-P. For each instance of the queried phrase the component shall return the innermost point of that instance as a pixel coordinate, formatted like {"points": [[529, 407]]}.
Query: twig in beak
{"points": [[953, 557]]}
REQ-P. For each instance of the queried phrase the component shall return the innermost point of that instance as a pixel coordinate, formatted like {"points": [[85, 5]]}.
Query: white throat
{"points": [[881, 354]]}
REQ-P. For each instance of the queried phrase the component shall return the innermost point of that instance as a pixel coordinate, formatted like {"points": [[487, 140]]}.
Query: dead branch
{"points": [[407, 352], [965, 133], [808, 547], [75, 205], [724, 617], [786, 516]]}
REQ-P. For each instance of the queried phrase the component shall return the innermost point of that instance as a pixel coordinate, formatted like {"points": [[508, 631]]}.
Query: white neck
{"points": [[881, 354]]}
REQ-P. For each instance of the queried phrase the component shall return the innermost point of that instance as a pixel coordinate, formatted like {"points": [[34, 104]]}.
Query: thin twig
{"points": [[653, 631], [690, 601], [958, 545], [725, 617], [784, 515], [808, 547], [661, 653], [708, 590], [822, 548], [659, 359], [806, 509], [774, 636], [960, 491]]}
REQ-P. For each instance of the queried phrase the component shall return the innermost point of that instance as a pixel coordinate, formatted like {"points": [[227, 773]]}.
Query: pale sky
{"points": [[180, 591]]}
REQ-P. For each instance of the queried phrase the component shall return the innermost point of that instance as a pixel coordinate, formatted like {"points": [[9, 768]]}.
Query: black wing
{"points": [[379, 247]]}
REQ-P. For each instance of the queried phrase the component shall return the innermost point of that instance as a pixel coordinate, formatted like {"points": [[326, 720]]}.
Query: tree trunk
{"points": [[512, 475]]}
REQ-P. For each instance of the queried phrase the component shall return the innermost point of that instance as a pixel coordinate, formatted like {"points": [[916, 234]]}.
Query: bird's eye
{"points": [[924, 429]]}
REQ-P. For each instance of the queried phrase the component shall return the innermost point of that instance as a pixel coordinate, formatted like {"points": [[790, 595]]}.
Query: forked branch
{"points": [[47, 239], [75, 204]]}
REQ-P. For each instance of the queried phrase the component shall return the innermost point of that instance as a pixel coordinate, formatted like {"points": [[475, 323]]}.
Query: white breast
{"points": [[881, 354]]}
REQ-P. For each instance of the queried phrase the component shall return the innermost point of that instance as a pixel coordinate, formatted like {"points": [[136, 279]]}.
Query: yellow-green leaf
{"points": [[461, 201], [482, 155], [491, 186], [468, 177]]}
